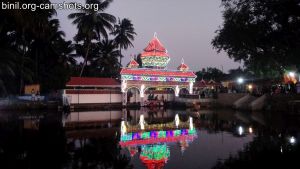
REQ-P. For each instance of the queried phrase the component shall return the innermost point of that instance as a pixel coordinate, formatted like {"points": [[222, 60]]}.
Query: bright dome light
{"points": [[292, 74], [240, 80]]}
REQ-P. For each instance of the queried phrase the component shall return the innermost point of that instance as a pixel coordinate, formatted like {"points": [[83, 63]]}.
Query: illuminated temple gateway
{"points": [[153, 73]]}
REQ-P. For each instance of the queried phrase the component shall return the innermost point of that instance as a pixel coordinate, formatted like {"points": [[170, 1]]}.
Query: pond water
{"points": [[147, 138]]}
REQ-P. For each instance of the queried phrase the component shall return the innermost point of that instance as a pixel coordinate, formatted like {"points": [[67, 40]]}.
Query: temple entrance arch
{"points": [[183, 91], [162, 93], [133, 94]]}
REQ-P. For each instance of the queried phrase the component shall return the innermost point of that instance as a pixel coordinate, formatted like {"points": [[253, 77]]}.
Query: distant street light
{"points": [[240, 80], [292, 140]]}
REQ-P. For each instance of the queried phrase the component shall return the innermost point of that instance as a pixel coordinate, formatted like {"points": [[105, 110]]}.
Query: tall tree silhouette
{"points": [[124, 32], [92, 24]]}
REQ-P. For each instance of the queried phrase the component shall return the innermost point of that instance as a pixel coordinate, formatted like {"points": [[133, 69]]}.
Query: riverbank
{"points": [[281, 102]]}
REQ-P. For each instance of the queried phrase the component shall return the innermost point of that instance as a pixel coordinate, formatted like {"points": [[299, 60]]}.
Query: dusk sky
{"points": [[185, 28]]}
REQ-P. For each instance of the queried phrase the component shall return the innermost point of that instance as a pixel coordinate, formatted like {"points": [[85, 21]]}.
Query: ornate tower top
{"points": [[183, 66], [155, 54], [133, 64]]}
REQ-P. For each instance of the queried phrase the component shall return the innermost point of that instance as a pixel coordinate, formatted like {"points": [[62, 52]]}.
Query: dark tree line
{"points": [[33, 49], [264, 34], [217, 75]]}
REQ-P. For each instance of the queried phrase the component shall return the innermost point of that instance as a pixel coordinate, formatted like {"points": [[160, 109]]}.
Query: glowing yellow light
{"points": [[250, 130], [250, 86]]}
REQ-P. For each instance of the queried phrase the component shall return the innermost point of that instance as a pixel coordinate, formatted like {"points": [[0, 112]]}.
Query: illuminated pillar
{"points": [[142, 94], [123, 128], [124, 92], [177, 120], [191, 123], [177, 91], [123, 86], [124, 98], [191, 87], [142, 122], [142, 90]]}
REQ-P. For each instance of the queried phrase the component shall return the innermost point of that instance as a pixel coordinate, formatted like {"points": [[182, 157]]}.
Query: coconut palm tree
{"points": [[124, 32], [106, 57], [92, 25]]}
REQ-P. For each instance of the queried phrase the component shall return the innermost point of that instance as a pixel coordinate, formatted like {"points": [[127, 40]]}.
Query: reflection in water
{"points": [[154, 156], [153, 142], [34, 140]]}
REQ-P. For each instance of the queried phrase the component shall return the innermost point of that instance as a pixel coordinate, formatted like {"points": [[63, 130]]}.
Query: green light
{"points": [[155, 61], [177, 133], [145, 135], [162, 134], [192, 132], [155, 152], [126, 137]]}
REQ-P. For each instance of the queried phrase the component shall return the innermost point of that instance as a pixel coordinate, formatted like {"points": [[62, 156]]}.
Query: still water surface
{"points": [[146, 139]]}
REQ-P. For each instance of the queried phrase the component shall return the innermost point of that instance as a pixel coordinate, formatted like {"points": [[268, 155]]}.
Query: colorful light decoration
{"points": [[133, 64], [159, 135], [157, 78], [182, 66], [155, 152], [154, 61], [155, 54]]}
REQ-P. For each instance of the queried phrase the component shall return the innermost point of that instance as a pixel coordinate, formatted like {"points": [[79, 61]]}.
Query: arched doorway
{"points": [[161, 93], [133, 95], [183, 91]]}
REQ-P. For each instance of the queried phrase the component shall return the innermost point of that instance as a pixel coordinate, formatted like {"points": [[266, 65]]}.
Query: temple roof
{"points": [[155, 48], [183, 66], [133, 64], [203, 83], [157, 72], [91, 81]]}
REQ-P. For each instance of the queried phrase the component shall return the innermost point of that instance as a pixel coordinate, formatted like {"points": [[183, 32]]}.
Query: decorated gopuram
{"points": [[153, 74]]}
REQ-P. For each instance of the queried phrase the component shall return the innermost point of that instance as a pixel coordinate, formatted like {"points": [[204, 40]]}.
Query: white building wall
{"points": [[94, 98], [94, 116], [111, 98]]}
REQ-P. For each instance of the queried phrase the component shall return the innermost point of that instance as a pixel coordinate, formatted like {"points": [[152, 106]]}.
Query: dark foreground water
{"points": [[181, 139]]}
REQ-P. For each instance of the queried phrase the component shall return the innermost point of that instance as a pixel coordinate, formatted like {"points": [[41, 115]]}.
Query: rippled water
{"points": [[146, 139]]}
